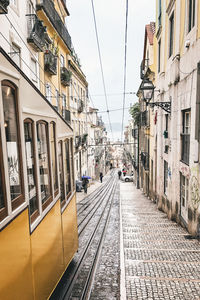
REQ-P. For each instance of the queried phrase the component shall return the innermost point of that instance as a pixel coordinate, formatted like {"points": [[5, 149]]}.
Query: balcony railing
{"points": [[4, 6], [37, 36], [65, 75], [77, 141], [185, 148], [80, 106], [145, 160], [49, 9], [50, 62]]}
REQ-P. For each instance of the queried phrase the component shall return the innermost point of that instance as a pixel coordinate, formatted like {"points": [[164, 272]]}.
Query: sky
{"points": [[110, 19]]}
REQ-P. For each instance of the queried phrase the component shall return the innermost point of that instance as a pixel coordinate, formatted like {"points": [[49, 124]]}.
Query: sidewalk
{"points": [[160, 261]]}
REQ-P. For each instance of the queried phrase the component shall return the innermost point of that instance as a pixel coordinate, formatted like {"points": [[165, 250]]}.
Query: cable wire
{"points": [[125, 63], [101, 65]]}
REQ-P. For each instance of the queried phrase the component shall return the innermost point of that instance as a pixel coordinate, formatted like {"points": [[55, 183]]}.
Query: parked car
{"points": [[127, 178]]}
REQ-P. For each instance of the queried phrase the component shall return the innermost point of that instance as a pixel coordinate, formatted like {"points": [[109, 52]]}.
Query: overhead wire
{"points": [[125, 63], [101, 65]]}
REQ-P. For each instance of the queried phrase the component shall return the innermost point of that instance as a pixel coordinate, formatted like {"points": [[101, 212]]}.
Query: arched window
{"points": [[11, 124], [53, 157], [31, 169], [44, 165]]}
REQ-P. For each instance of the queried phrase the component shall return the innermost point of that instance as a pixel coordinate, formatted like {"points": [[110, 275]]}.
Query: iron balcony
{"points": [[37, 36], [65, 75], [49, 9]]}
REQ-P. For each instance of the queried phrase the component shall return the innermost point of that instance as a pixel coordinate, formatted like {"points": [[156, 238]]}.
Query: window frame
{"points": [[50, 198], [3, 210], [171, 34], [36, 213], [185, 157], [191, 11], [15, 203], [56, 191]]}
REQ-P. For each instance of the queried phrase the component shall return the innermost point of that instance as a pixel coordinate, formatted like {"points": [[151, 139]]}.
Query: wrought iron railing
{"points": [[65, 76], [50, 62], [52, 14], [37, 35], [4, 6], [185, 148], [145, 160]]}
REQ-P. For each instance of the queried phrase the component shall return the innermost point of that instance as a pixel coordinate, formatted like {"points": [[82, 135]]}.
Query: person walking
{"points": [[119, 173], [85, 182], [101, 176]]}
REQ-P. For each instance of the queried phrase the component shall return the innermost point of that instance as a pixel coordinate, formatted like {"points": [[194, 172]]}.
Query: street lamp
{"points": [[147, 89]]}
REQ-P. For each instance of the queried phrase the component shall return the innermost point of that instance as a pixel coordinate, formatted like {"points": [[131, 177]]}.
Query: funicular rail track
{"points": [[94, 244]]}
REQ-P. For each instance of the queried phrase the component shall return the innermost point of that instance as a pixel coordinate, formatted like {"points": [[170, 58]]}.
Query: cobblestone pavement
{"points": [[160, 262]]}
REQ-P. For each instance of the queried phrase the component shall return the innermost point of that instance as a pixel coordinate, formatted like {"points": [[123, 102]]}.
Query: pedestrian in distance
{"points": [[85, 182], [124, 172], [101, 176], [119, 174]]}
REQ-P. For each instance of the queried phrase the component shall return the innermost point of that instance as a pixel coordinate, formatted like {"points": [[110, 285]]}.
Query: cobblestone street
{"points": [[160, 261]]}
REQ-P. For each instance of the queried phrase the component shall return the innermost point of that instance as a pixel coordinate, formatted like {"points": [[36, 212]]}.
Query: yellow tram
{"points": [[38, 221]]}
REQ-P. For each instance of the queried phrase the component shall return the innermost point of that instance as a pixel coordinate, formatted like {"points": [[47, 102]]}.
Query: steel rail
{"points": [[76, 270]]}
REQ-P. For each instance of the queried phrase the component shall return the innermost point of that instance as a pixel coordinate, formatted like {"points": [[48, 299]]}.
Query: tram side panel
{"points": [[70, 231], [15, 260], [34, 256]]}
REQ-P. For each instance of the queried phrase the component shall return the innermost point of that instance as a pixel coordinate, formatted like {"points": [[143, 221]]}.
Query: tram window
{"points": [[61, 173], [30, 164], [53, 156], [12, 142], [43, 159], [72, 163], [67, 169], [3, 208]]}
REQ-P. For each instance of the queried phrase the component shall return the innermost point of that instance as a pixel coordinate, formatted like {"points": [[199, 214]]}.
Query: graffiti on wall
{"points": [[195, 192]]}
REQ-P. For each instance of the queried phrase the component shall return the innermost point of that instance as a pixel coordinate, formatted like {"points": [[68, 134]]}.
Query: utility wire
{"points": [[99, 52], [125, 60]]}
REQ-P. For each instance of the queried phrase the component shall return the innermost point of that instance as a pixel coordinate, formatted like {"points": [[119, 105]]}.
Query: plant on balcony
{"points": [[3, 6], [65, 76], [50, 62]]}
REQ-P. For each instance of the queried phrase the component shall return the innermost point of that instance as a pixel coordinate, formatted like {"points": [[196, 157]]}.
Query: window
{"points": [[185, 136], [57, 106], [159, 13], [33, 70], [165, 176], [62, 61], [15, 54], [3, 204], [48, 92], [63, 105], [9, 97], [31, 169], [53, 157], [171, 34], [184, 190], [61, 171], [67, 169], [43, 158], [159, 55], [191, 14], [72, 163]]}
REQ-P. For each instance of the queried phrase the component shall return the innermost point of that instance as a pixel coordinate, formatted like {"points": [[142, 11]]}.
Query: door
{"points": [[184, 187]]}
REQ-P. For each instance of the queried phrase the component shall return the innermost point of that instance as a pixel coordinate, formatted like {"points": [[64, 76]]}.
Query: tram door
{"points": [[184, 187]]}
